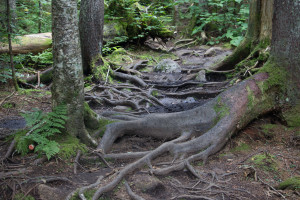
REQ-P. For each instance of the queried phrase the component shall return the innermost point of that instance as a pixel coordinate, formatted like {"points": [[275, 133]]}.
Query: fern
{"points": [[42, 127]]}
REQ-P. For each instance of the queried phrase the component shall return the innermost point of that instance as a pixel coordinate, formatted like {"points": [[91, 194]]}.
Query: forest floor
{"points": [[250, 166]]}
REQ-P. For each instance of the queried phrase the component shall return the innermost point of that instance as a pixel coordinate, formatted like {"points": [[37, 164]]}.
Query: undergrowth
{"points": [[40, 131]]}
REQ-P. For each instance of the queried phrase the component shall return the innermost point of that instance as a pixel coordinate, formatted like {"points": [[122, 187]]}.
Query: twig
{"points": [[271, 187], [76, 161], [107, 74]]}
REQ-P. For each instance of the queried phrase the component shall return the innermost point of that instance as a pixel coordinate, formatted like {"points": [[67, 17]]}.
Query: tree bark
{"points": [[68, 82], [286, 43], [91, 21]]}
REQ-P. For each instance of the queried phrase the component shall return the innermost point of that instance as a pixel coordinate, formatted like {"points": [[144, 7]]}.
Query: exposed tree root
{"points": [[205, 130], [132, 78], [131, 193]]}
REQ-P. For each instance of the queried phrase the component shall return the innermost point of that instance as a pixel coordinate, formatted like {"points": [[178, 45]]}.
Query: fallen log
{"points": [[34, 43]]}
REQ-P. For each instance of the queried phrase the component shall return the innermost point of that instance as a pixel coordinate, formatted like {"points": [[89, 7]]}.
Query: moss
{"points": [[221, 109], [90, 117], [34, 92], [292, 116], [69, 146], [268, 130], [103, 122], [100, 70], [291, 183], [21, 196], [241, 147], [266, 162], [277, 77]]}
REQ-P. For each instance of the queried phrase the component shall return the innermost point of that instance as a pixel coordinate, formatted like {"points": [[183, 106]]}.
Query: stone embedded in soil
{"points": [[147, 184], [50, 193], [167, 66], [212, 51], [201, 76]]}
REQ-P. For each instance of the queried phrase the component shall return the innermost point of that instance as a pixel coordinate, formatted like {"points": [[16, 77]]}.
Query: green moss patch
{"points": [[69, 146], [266, 162], [269, 130], [291, 183], [241, 147], [292, 116], [34, 92], [103, 122], [221, 109]]}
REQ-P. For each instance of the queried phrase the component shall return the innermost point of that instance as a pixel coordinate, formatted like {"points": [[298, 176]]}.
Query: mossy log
{"points": [[34, 43]]}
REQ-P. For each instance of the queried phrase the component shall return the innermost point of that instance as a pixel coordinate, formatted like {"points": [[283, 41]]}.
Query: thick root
{"points": [[210, 127]]}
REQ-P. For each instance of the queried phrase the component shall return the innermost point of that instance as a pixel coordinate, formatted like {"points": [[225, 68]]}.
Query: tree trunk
{"points": [[259, 31], [91, 21], [68, 83], [9, 32], [286, 43]]}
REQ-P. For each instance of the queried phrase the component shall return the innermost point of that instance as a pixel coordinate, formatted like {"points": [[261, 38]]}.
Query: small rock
{"points": [[121, 108], [212, 51], [189, 100], [167, 66], [201, 76], [50, 193], [147, 184]]}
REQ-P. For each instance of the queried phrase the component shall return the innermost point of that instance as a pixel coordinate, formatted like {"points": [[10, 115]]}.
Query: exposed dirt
{"points": [[232, 173]]}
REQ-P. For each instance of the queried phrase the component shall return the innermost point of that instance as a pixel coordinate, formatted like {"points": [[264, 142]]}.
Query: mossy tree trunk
{"points": [[259, 31], [91, 21], [68, 83]]}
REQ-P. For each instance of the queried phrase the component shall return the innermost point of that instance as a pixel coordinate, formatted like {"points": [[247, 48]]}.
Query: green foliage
{"points": [[28, 16], [42, 129], [223, 20], [42, 59], [138, 20]]}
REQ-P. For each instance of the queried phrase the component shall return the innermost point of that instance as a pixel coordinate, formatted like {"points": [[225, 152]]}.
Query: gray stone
{"points": [[50, 193], [201, 76], [167, 66], [189, 100], [146, 183], [212, 51]]}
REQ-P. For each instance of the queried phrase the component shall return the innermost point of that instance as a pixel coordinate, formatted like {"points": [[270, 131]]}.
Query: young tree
{"points": [[91, 21], [203, 131], [259, 31], [10, 6], [68, 83]]}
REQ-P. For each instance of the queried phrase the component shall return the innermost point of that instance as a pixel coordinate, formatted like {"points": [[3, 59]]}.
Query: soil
{"points": [[230, 174]]}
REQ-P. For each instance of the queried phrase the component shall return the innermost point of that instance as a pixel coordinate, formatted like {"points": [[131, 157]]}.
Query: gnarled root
{"points": [[196, 134]]}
